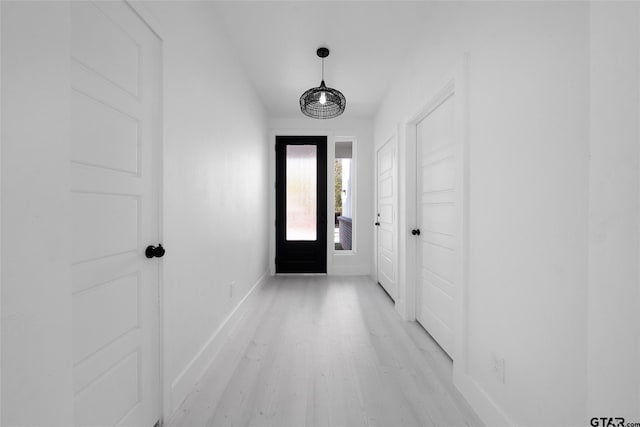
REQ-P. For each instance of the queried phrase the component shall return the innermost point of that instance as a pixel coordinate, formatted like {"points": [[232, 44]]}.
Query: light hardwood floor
{"points": [[326, 351]]}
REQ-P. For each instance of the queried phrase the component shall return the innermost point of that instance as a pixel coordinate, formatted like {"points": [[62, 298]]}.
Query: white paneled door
{"points": [[436, 202], [386, 217], [115, 135]]}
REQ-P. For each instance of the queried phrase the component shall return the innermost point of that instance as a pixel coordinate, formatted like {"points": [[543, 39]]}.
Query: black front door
{"points": [[301, 204]]}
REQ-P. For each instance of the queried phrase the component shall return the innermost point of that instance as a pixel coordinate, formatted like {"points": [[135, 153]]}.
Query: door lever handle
{"points": [[415, 232], [377, 224], [154, 251]]}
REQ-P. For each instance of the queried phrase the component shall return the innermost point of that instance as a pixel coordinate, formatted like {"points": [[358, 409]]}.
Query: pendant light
{"points": [[322, 102]]}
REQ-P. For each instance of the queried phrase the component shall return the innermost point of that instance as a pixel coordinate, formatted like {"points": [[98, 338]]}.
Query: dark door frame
{"points": [[301, 256]]}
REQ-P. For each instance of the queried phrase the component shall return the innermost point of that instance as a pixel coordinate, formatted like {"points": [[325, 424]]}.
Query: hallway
{"points": [[319, 350], [494, 178]]}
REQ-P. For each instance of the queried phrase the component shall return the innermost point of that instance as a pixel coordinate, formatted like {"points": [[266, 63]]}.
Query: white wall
{"points": [[360, 261], [36, 256], [528, 138], [614, 298], [215, 189]]}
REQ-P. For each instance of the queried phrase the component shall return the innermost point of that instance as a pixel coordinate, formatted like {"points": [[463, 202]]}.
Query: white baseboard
{"points": [[350, 270], [488, 411], [195, 369]]}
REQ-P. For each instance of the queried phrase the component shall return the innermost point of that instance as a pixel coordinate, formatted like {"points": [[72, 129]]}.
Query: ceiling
{"points": [[276, 42]]}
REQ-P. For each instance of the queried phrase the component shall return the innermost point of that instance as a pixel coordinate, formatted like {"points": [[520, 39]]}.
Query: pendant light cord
{"points": [[322, 69]]}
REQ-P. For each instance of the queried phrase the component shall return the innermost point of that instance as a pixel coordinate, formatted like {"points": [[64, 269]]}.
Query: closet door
{"points": [[436, 206], [115, 138], [386, 198]]}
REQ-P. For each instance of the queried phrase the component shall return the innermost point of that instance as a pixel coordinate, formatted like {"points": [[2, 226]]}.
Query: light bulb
{"points": [[323, 98]]}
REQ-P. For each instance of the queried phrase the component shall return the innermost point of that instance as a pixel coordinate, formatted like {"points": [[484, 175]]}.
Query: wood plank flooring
{"points": [[325, 351]]}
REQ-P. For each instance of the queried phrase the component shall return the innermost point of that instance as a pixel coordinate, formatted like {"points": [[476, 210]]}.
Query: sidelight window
{"points": [[344, 196]]}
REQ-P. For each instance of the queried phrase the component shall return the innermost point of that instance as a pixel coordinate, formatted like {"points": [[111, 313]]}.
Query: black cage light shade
{"points": [[322, 102]]}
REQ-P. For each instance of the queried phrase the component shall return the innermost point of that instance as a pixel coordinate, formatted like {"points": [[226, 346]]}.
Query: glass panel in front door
{"points": [[301, 192]]}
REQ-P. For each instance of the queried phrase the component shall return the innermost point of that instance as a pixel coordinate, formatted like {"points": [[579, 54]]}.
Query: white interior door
{"points": [[386, 217], [115, 135], [436, 203]]}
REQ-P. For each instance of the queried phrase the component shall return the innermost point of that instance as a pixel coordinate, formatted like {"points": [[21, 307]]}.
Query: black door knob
{"points": [[415, 232], [154, 251], [377, 224]]}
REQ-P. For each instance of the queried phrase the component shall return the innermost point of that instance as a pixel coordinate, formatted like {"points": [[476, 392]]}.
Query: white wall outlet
{"points": [[498, 367]]}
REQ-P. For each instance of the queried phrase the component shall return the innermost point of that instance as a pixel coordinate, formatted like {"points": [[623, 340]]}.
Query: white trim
{"points": [[330, 197], [407, 204], [186, 381], [484, 406], [147, 17], [350, 270], [1, 240], [638, 281], [461, 344]]}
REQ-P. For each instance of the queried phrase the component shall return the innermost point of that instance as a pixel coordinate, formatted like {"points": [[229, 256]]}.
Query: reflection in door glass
{"points": [[301, 192]]}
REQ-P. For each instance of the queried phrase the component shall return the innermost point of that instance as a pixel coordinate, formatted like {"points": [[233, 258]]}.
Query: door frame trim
{"points": [[455, 83]]}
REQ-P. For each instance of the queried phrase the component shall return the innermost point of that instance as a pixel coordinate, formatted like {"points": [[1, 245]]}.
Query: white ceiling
{"points": [[276, 41]]}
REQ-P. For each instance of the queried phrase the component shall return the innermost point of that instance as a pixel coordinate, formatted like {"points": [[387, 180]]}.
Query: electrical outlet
{"points": [[498, 367]]}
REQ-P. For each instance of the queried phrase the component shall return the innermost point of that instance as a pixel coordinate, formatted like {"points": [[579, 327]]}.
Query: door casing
{"points": [[455, 83]]}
